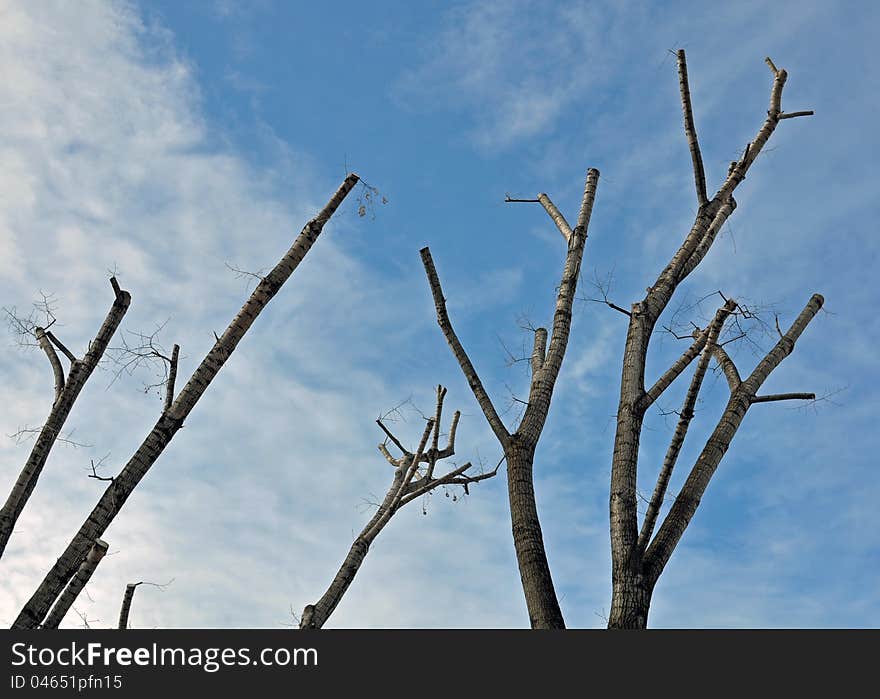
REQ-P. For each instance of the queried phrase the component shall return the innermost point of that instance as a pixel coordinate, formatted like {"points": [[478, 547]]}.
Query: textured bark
{"points": [[681, 429], [630, 601], [172, 420], [519, 447], [636, 561], [314, 616], [67, 390], [690, 130], [741, 399], [531, 557], [76, 585], [125, 610]]}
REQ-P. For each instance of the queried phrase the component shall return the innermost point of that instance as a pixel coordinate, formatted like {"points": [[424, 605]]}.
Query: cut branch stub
{"points": [[461, 356]]}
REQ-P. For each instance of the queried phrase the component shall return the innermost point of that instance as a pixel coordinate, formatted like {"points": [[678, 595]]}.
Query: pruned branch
{"points": [[700, 341], [405, 488], [127, 598], [690, 130], [727, 366], [172, 377], [71, 592], [55, 341], [556, 216], [464, 362], [772, 398], [795, 115], [57, 370], [391, 436], [784, 347], [542, 386]]}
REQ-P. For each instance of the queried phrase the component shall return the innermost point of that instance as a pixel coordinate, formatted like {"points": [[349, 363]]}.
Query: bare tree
{"points": [[519, 447], [172, 417], [637, 558], [67, 390], [414, 477]]}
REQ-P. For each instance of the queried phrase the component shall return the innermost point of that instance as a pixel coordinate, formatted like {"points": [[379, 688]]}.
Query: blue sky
{"points": [[164, 139]]}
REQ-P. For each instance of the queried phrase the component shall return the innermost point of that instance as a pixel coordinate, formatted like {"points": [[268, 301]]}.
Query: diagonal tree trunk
{"points": [[519, 447], [79, 581], [172, 419], [67, 390]]}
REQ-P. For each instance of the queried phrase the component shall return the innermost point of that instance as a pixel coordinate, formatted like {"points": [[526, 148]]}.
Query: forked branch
{"points": [[67, 390], [408, 483], [685, 505], [461, 356]]}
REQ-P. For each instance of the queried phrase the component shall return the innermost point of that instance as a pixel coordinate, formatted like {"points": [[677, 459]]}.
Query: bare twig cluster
{"points": [[415, 475]]}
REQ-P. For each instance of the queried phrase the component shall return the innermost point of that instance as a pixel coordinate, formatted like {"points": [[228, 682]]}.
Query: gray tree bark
{"points": [[172, 419], [638, 561], [127, 599], [67, 390], [411, 480], [519, 448], [76, 585]]}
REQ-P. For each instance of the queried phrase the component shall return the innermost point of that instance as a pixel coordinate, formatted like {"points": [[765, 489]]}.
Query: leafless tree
{"points": [[67, 390], [638, 554], [414, 477], [637, 558], [176, 410], [519, 446]]}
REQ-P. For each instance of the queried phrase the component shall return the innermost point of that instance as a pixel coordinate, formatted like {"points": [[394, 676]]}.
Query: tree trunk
{"points": [[534, 570], [172, 420], [630, 601], [315, 615], [71, 592]]}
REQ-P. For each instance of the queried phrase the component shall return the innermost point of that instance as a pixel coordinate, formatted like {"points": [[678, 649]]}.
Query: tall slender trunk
{"points": [[171, 420], [534, 570], [638, 561], [519, 447]]}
